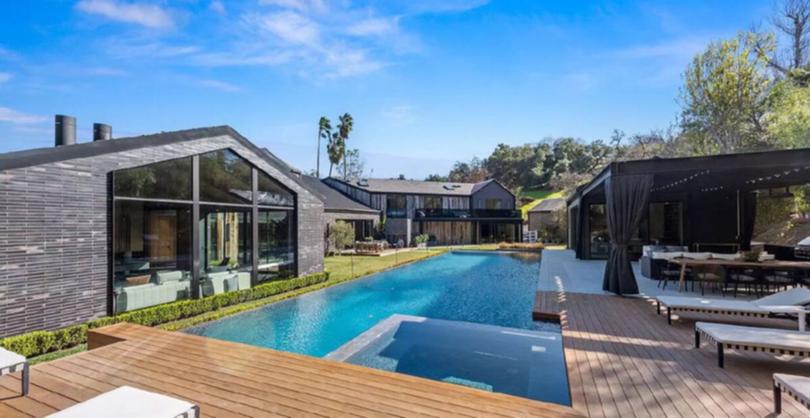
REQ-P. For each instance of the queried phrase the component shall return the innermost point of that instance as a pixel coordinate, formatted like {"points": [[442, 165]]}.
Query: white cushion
{"points": [[9, 358], [727, 257], [665, 255], [797, 296], [127, 402], [697, 256]]}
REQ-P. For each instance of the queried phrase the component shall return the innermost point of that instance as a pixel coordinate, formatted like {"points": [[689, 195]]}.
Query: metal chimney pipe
{"points": [[64, 130], [101, 132]]}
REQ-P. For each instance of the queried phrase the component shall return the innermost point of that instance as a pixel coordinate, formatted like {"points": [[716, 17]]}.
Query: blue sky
{"points": [[428, 82]]}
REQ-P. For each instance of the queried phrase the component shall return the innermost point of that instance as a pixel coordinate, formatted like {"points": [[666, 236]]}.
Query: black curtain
{"points": [[748, 215], [627, 198]]}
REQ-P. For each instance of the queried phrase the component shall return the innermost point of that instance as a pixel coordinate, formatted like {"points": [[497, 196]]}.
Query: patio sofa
{"points": [[651, 267], [163, 287], [224, 281]]}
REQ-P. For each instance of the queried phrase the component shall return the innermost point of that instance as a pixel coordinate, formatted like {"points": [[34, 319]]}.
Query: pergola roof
{"points": [[716, 173]]}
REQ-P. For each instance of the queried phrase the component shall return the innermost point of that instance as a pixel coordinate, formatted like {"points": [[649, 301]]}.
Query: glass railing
{"points": [[466, 213]]}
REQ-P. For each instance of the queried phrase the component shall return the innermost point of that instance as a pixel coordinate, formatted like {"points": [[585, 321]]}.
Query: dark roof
{"points": [[417, 186], [333, 200], [712, 173], [549, 205]]}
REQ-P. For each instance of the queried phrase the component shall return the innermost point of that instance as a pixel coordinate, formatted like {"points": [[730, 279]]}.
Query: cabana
{"points": [[706, 204]]}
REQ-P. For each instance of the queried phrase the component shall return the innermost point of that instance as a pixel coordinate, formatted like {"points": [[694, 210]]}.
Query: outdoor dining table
{"points": [[770, 264]]}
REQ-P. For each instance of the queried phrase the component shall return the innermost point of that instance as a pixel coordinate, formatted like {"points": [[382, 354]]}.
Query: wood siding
{"points": [[450, 232]]}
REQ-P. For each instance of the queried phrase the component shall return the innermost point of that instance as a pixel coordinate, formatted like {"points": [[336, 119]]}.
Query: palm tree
{"points": [[335, 150], [324, 131], [345, 128]]}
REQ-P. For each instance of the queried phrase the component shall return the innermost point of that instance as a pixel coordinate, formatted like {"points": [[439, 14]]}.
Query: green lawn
{"points": [[344, 267], [538, 196]]}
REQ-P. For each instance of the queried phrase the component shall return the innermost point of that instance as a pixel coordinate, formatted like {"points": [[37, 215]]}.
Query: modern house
{"points": [[111, 225], [705, 203], [449, 212], [338, 207]]}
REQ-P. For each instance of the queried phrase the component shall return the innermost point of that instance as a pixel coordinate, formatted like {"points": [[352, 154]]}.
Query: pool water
{"points": [[525, 363], [485, 288]]}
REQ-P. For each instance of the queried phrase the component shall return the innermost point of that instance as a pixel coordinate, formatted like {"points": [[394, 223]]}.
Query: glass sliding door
{"points": [[153, 230], [152, 235], [665, 223], [276, 244]]}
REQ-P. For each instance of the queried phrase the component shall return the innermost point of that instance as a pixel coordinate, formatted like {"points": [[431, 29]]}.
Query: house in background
{"points": [[338, 207], [449, 212], [91, 229], [542, 218]]}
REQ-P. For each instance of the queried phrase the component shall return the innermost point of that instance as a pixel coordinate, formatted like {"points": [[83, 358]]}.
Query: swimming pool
{"points": [[525, 363], [486, 288]]}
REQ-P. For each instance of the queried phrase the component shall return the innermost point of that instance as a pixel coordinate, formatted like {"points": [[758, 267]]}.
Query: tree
{"points": [[353, 165], [341, 236], [344, 129], [324, 132], [437, 177], [724, 98], [791, 20], [335, 150], [473, 172], [789, 116]]}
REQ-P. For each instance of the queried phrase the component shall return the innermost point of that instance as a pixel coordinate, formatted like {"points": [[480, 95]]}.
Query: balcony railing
{"points": [[426, 213]]}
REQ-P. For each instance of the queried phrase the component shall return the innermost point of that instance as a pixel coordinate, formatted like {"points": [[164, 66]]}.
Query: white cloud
{"points": [[350, 62], [217, 7], [679, 48], [147, 15], [220, 85], [291, 27], [15, 117], [318, 6], [373, 27], [4, 77]]}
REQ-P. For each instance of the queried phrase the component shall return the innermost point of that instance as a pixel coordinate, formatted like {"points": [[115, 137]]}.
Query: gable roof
{"points": [[549, 205], [416, 186], [333, 200]]}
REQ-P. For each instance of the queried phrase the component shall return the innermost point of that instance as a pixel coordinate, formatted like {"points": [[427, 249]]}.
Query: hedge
{"points": [[41, 342]]}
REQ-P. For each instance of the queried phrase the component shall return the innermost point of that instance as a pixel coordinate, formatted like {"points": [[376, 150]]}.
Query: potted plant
{"points": [[421, 240]]}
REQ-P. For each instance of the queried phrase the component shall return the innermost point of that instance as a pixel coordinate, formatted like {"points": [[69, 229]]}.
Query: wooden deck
{"points": [[234, 380], [624, 360]]}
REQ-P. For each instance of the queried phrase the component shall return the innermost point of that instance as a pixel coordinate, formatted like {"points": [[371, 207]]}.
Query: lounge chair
{"points": [[797, 296], [11, 362], [129, 402], [737, 337], [797, 387]]}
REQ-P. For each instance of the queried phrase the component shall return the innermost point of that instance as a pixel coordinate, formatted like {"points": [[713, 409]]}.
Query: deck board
{"points": [[235, 380], [624, 360]]}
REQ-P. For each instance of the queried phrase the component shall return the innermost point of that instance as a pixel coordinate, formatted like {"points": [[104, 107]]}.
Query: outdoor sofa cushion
{"points": [[129, 402], [168, 276], [798, 296]]}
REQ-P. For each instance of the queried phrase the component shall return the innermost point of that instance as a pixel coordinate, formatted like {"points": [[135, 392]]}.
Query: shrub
{"points": [[41, 342], [341, 236], [421, 239]]}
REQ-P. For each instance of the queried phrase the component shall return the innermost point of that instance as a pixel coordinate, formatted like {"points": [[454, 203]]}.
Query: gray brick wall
{"points": [[54, 233]]}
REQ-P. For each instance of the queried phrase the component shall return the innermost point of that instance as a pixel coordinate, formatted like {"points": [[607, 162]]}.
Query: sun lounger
{"points": [[797, 387], [11, 362], [737, 337], [762, 307], [129, 402]]}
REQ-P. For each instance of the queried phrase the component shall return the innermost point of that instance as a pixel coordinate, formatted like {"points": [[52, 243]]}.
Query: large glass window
{"points": [[396, 206], [164, 180], [276, 244], [225, 177], [599, 235], [152, 260], [433, 202], [226, 255], [271, 193], [491, 203]]}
